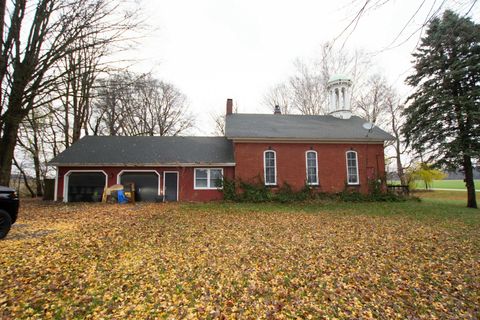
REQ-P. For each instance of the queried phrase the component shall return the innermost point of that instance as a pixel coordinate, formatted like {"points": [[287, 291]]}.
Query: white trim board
{"points": [[55, 194], [142, 165], [178, 183], [302, 140], [67, 174], [155, 171]]}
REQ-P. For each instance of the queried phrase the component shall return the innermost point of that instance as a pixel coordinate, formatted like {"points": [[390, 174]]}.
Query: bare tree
{"points": [[219, 120], [20, 167], [139, 105], [28, 55], [112, 103], [396, 120], [163, 109], [305, 91], [31, 139], [415, 24], [308, 90], [372, 104], [79, 68], [278, 95]]}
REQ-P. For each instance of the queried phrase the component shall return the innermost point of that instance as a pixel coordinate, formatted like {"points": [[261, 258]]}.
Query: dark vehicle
{"points": [[8, 209]]}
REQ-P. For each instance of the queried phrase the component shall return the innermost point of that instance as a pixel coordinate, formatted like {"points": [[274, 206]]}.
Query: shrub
{"points": [[286, 194], [375, 186], [425, 172], [229, 189], [257, 192], [379, 196], [254, 192]]}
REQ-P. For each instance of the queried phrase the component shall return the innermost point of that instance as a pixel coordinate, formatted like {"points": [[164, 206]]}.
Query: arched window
{"points": [[352, 168], [312, 167], [270, 167]]}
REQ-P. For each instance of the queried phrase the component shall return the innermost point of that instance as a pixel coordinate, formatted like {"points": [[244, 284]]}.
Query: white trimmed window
{"points": [[352, 167], [270, 167], [208, 178], [312, 167]]}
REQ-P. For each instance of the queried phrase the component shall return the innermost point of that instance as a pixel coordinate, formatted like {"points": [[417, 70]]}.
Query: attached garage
{"points": [[147, 184], [162, 168], [84, 186]]}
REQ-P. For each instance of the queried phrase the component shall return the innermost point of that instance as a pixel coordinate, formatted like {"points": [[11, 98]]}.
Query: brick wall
{"points": [[186, 175], [291, 167], [291, 163]]}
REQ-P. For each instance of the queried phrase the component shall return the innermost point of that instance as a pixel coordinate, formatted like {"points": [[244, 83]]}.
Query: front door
{"points": [[170, 180]]}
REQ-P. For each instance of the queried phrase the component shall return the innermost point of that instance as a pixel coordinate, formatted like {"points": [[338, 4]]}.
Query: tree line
{"points": [[59, 80]]}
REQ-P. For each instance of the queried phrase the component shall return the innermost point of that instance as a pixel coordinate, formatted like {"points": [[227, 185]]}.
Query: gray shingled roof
{"points": [[328, 128], [110, 150]]}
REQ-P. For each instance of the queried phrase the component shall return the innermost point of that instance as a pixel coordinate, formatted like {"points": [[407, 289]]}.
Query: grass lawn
{"points": [[444, 184], [448, 184], [444, 196], [219, 260]]}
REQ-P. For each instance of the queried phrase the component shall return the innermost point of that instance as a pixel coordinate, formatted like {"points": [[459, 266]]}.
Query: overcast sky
{"points": [[218, 49]]}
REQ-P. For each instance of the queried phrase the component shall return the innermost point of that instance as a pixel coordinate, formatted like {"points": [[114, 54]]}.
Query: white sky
{"points": [[218, 49]]}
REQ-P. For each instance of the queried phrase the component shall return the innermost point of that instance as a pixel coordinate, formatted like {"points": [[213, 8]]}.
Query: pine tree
{"points": [[443, 119]]}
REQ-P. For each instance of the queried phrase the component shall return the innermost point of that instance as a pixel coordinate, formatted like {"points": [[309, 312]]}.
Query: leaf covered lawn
{"points": [[154, 261]]}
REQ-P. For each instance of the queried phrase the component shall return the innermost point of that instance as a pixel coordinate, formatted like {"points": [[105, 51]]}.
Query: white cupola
{"points": [[339, 92]]}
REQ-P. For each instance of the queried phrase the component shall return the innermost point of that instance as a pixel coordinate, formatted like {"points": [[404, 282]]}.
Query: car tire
{"points": [[5, 223]]}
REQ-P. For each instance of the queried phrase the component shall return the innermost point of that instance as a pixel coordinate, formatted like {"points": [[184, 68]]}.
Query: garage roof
{"points": [[146, 151], [301, 127]]}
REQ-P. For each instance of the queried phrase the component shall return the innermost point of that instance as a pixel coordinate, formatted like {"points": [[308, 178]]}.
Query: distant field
{"points": [[444, 184], [444, 196]]}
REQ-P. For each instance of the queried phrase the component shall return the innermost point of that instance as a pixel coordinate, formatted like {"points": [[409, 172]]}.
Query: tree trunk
{"points": [[398, 157], [13, 117], [7, 146], [25, 179], [468, 168], [38, 175]]}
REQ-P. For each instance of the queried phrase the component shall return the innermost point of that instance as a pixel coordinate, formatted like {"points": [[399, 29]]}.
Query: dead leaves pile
{"points": [[170, 261]]}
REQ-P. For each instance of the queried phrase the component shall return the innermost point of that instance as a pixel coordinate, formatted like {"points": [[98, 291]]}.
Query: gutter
{"points": [[306, 140], [83, 164]]}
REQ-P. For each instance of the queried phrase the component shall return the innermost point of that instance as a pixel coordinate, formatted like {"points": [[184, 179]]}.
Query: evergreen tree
{"points": [[443, 119]]}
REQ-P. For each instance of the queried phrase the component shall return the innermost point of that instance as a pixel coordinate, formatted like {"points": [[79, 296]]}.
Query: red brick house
{"points": [[326, 152]]}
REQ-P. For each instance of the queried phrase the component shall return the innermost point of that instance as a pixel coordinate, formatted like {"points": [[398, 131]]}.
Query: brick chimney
{"points": [[229, 106], [277, 110]]}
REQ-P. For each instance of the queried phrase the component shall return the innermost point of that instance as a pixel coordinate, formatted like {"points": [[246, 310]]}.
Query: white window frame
{"points": [[265, 168], [316, 167], [356, 160], [208, 187]]}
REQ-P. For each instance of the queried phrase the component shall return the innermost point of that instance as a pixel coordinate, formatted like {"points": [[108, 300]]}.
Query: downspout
{"points": [[55, 193]]}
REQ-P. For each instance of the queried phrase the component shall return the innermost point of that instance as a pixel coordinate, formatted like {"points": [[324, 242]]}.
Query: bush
{"points": [[257, 192], [378, 196], [254, 192], [286, 194], [375, 186], [229, 189]]}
